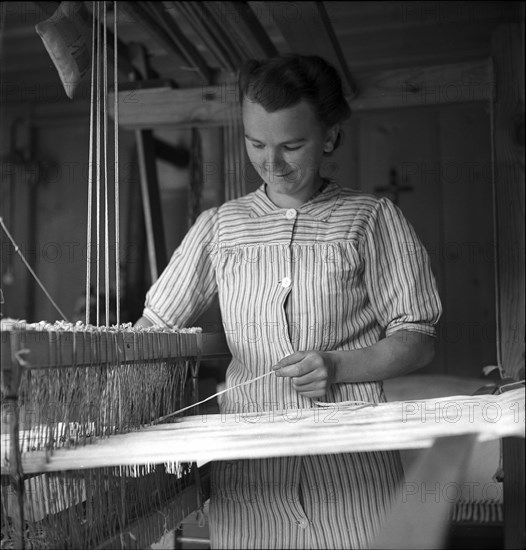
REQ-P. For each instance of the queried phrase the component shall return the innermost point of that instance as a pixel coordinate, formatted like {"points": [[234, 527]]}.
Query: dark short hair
{"points": [[286, 80]]}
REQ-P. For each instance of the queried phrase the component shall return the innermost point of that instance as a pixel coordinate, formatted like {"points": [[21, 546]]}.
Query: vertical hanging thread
{"points": [[116, 175], [90, 172], [98, 164], [105, 153]]}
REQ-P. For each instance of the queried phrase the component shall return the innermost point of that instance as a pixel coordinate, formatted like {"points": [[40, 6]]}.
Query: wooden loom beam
{"points": [[68, 349]]}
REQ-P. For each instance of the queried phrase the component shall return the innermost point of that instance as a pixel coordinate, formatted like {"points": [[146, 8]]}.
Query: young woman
{"points": [[328, 287]]}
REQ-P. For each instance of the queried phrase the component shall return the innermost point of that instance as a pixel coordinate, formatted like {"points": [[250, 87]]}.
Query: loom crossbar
{"points": [[76, 348]]}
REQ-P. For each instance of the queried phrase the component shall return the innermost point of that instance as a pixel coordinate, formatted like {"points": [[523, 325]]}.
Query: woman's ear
{"points": [[330, 138]]}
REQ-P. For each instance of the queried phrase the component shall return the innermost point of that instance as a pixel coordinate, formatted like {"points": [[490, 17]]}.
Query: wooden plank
{"points": [[311, 33], [171, 39], [355, 18], [508, 145], [249, 29], [202, 25], [419, 517], [207, 106], [426, 86], [216, 105], [48, 350], [395, 48], [514, 492], [180, 40], [151, 201]]}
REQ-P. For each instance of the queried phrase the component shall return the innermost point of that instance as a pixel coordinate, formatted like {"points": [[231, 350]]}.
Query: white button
{"points": [[286, 282], [290, 214], [302, 523]]}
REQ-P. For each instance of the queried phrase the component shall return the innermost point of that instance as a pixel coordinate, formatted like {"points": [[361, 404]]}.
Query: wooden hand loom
{"points": [[65, 387], [136, 447]]}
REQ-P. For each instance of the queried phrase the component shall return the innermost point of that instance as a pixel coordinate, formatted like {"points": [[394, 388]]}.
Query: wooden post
{"points": [[10, 415], [508, 156], [153, 218], [151, 199], [419, 517], [508, 159], [514, 492]]}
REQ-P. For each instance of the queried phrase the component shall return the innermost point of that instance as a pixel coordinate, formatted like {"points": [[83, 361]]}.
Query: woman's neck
{"points": [[283, 200]]}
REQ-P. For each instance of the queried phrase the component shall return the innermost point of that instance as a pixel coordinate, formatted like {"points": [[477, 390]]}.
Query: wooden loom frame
{"points": [[75, 347]]}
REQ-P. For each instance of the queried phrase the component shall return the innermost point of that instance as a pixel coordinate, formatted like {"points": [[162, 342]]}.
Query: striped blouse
{"points": [[337, 273]]}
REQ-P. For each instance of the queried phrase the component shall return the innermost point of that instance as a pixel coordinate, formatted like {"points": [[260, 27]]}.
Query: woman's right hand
{"points": [[143, 323]]}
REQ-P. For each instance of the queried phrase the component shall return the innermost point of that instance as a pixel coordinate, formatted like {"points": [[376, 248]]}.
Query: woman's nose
{"points": [[273, 160]]}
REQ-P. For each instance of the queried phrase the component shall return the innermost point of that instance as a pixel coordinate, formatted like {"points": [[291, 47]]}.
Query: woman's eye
{"points": [[257, 145]]}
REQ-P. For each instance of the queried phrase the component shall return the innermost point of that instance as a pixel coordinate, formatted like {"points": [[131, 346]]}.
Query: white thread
{"points": [[116, 142], [17, 249], [212, 397], [345, 404], [105, 152], [98, 162], [90, 176]]}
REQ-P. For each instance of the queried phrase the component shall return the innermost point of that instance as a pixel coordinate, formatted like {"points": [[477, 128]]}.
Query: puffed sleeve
{"points": [[400, 283], [187, 285]]}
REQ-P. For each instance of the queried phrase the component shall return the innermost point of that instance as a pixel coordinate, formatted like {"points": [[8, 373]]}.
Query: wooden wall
{"points": [[53, 237], [441, 157]]}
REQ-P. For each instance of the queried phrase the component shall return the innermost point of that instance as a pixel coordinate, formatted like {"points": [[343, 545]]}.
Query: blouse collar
{"points": [[319, 207]]}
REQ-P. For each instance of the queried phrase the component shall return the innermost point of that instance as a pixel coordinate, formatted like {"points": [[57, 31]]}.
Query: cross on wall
{"points": [[394, 189]]}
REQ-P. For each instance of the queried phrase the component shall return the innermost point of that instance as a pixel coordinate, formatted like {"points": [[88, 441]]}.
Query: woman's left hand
{"points": [[312, 372]]}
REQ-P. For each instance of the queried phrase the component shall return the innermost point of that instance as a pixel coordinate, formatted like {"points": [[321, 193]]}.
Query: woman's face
{"points": [[286, 149]]}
